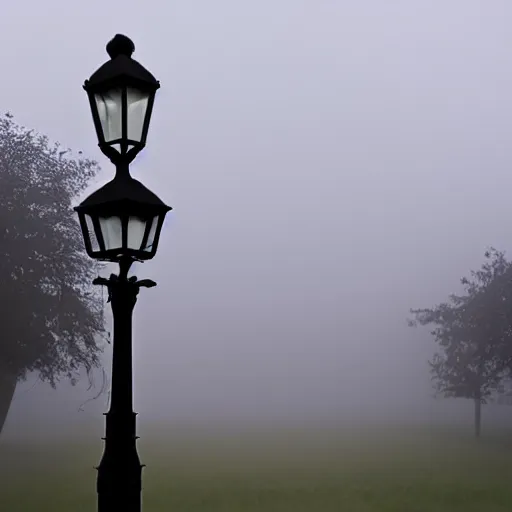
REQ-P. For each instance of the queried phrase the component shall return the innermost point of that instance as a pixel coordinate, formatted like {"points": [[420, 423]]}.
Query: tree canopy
{"points": [[51, 317], [473, 332]]}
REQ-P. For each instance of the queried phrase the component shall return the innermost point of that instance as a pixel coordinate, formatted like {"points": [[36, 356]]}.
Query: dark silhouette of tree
{"points": [[51, 318], [474, 334]]}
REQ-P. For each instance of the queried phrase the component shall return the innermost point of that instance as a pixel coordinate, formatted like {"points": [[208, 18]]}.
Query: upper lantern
{"points": [[121, 94]]}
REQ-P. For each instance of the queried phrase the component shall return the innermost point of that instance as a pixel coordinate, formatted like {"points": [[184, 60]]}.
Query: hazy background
{"points": [[330, 163]]}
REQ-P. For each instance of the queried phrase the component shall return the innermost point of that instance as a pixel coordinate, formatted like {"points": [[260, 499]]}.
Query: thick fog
{"points": [[331, 164]]}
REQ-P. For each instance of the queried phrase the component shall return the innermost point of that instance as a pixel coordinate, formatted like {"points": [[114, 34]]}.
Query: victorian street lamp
{"points": [[121, 222]]}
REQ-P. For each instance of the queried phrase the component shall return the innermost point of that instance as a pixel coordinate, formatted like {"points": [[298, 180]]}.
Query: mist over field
{"points": [[330, 165]]}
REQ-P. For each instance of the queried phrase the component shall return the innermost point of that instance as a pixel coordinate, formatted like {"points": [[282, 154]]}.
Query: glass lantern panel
{"points": [[91, 234], [110, 107], [152, 233], [136, 230], [112, 231], [137, 102]]}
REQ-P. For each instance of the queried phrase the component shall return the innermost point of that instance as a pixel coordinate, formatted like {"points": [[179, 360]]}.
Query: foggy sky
{"points": [[330, 164]]}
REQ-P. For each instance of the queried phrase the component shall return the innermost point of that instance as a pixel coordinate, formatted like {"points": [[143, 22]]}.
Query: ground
{"points": [[355, 470]]}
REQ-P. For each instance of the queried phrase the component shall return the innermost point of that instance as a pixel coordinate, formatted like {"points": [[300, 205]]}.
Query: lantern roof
{"points": [[122, 189], [120, 67]]}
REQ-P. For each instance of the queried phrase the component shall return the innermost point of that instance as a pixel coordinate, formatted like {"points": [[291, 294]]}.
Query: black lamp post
{"points": [[121, 222]]}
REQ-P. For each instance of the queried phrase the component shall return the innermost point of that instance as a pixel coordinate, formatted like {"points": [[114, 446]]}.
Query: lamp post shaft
{"points": [[119, 483]]}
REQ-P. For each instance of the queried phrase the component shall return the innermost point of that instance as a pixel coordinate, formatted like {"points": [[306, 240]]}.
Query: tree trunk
{"points": [[7, 387], [478, 417]]}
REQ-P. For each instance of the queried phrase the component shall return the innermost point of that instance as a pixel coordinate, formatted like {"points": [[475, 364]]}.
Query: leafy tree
{"points": [[51, 318], [474, 334]]}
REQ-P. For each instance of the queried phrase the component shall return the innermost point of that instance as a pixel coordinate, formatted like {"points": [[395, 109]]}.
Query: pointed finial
{"points": [[120, 45]]}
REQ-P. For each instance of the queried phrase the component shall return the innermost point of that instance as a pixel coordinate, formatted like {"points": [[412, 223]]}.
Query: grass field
{"points": [[352, 470]]}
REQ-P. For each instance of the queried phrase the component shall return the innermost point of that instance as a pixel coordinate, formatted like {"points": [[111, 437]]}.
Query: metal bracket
{"points": [[114, 280]]}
